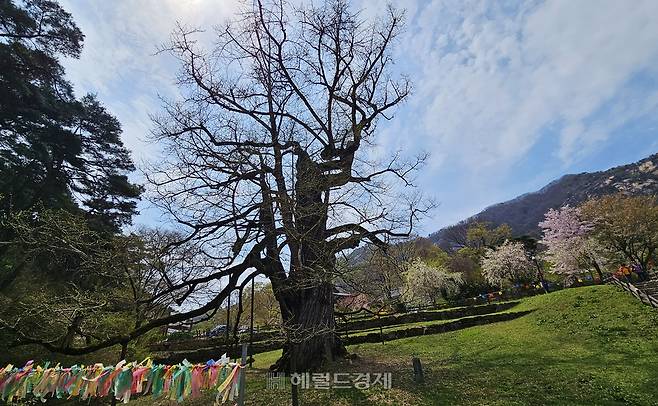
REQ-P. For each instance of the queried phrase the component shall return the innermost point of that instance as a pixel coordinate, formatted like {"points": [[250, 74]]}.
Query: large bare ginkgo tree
{"points": [[268, 160]]}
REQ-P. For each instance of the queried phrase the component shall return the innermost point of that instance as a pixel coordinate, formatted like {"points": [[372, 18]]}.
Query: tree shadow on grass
{"points": [[528, 380]]}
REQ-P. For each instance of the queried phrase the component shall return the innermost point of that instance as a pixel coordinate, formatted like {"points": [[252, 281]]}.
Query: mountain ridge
{"points": [[524, 212]]}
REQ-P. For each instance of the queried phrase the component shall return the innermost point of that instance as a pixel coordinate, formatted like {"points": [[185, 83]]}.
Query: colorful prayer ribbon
{"points": [[174, 382]]}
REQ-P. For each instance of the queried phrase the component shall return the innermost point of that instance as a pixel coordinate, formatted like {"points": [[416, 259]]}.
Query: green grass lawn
{"points": [[583, 346]]}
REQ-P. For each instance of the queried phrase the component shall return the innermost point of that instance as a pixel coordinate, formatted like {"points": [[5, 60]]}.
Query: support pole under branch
{"points": [[243, 373]]}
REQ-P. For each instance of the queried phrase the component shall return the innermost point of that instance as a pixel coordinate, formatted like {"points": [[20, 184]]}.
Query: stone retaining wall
{"points": [[204, 354], [406, 318]]}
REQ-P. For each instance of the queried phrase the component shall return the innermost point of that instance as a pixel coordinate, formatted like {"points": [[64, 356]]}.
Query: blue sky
{"points": [[507, 95]]}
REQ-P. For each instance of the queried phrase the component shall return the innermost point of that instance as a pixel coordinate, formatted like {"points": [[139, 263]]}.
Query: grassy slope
{"points": [[591, 345]]}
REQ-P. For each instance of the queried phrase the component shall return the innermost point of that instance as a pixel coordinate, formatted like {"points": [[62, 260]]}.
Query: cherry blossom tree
{"points": [[570, 246], [424, 283], [506, 263]]}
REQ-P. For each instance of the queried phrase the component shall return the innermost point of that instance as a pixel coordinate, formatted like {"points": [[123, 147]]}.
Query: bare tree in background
{"points": [[378, 273], [455, 236], [268, 162]]}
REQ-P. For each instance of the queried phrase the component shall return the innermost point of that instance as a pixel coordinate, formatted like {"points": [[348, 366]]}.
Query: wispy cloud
{"points": [[493, 77]]}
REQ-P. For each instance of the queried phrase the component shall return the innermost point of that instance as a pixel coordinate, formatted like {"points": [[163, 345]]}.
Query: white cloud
{"points": [[492, 78]]}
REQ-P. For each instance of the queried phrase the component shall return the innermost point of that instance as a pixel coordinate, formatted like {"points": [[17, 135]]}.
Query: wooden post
{"points": [[294, 390], [418, 370], [122, 356], [243, 373]]}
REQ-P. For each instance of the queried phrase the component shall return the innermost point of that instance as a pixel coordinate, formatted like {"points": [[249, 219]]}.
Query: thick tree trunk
{"points": [[310, 329], [598, 270], [306, 295]]}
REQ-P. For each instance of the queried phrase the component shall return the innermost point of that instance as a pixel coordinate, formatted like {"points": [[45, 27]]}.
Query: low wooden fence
{"points": [[629, 287]]}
